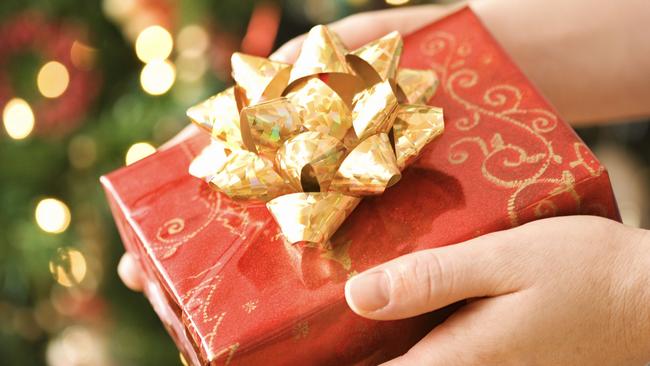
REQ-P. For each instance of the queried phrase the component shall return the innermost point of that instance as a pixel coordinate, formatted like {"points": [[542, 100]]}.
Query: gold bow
{"points": [[311, 138]]}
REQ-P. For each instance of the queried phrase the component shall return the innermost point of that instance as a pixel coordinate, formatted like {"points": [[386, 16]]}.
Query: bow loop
{"points": [[377, 61], [309, 160], [265, 126], [260, 78]]}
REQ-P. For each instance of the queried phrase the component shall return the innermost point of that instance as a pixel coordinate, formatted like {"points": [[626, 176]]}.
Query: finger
{"points": [[130, 272], [359, 29], [431, 279], [462, 340], [288, 52]]}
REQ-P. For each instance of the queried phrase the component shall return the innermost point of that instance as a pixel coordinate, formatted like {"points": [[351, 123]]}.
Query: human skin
{"points": [[561, 291], [590, 58]]}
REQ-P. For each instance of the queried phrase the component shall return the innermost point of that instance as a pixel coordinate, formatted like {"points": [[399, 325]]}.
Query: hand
{"points": [[130, 272], [577, 61], [560, 291], [359, 29]]}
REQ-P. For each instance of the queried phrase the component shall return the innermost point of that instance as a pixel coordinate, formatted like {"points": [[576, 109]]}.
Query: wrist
{"points": [[644, 247], [634, 282]]}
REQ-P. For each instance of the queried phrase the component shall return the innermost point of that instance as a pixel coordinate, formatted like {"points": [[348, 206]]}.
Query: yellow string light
{"points": [[18, 118], [396, 2], [139, 151], [154, 43], [358, 2], [192, 40], [52, 215], [183, 361], [157, 77], [191, 68], [52, 79], [68, 267]]}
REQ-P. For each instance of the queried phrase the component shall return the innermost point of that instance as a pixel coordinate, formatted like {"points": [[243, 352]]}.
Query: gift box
{"points": [[231, 290]]}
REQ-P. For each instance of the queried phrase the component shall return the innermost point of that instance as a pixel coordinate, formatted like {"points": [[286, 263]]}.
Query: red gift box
{"points": [[231, 291]]}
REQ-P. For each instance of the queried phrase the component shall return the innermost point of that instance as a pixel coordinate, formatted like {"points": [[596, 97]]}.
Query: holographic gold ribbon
{"points": [[311, 139]]}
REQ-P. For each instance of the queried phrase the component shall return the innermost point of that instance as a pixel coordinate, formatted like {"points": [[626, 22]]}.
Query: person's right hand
{"points": [[570, 290], [577, 61], [361, 28]]}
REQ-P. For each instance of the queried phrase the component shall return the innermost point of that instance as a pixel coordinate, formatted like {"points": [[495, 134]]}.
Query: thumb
{"points": [[427, 280]]}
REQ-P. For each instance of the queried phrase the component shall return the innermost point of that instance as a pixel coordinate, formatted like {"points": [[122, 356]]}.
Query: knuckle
{"points": [[509, 263], [438, 277], [507, 244], [505, 257]]}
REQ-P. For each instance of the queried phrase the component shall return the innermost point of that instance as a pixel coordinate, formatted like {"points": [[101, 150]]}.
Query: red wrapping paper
{"points": [[232, 292]]}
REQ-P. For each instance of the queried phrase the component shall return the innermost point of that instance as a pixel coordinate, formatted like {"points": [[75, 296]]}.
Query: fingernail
{"points": [[368, 292]]}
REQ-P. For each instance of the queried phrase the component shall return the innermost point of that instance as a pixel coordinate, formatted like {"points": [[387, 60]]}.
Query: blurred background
{"points": [[89, 86]]}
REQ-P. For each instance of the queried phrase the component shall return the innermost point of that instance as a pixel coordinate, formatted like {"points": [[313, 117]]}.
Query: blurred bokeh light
{"points": [[157, 77], [397, 2], [68, 267], [18, 118], [139, 151], [52, 215], [53, 79], [154, 43]]}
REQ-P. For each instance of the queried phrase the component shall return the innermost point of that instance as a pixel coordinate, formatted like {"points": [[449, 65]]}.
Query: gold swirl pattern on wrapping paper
{"points": [[198, 301], [501, 103], [229, 351], [168, 235], [580, 160], [168, 242]]}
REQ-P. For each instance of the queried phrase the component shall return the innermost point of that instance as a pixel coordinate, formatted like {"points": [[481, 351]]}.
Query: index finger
{"points": [[358, 29]]}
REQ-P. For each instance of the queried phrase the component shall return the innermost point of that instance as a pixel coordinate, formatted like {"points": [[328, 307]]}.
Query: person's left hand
{"points": [[561, 291]]}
